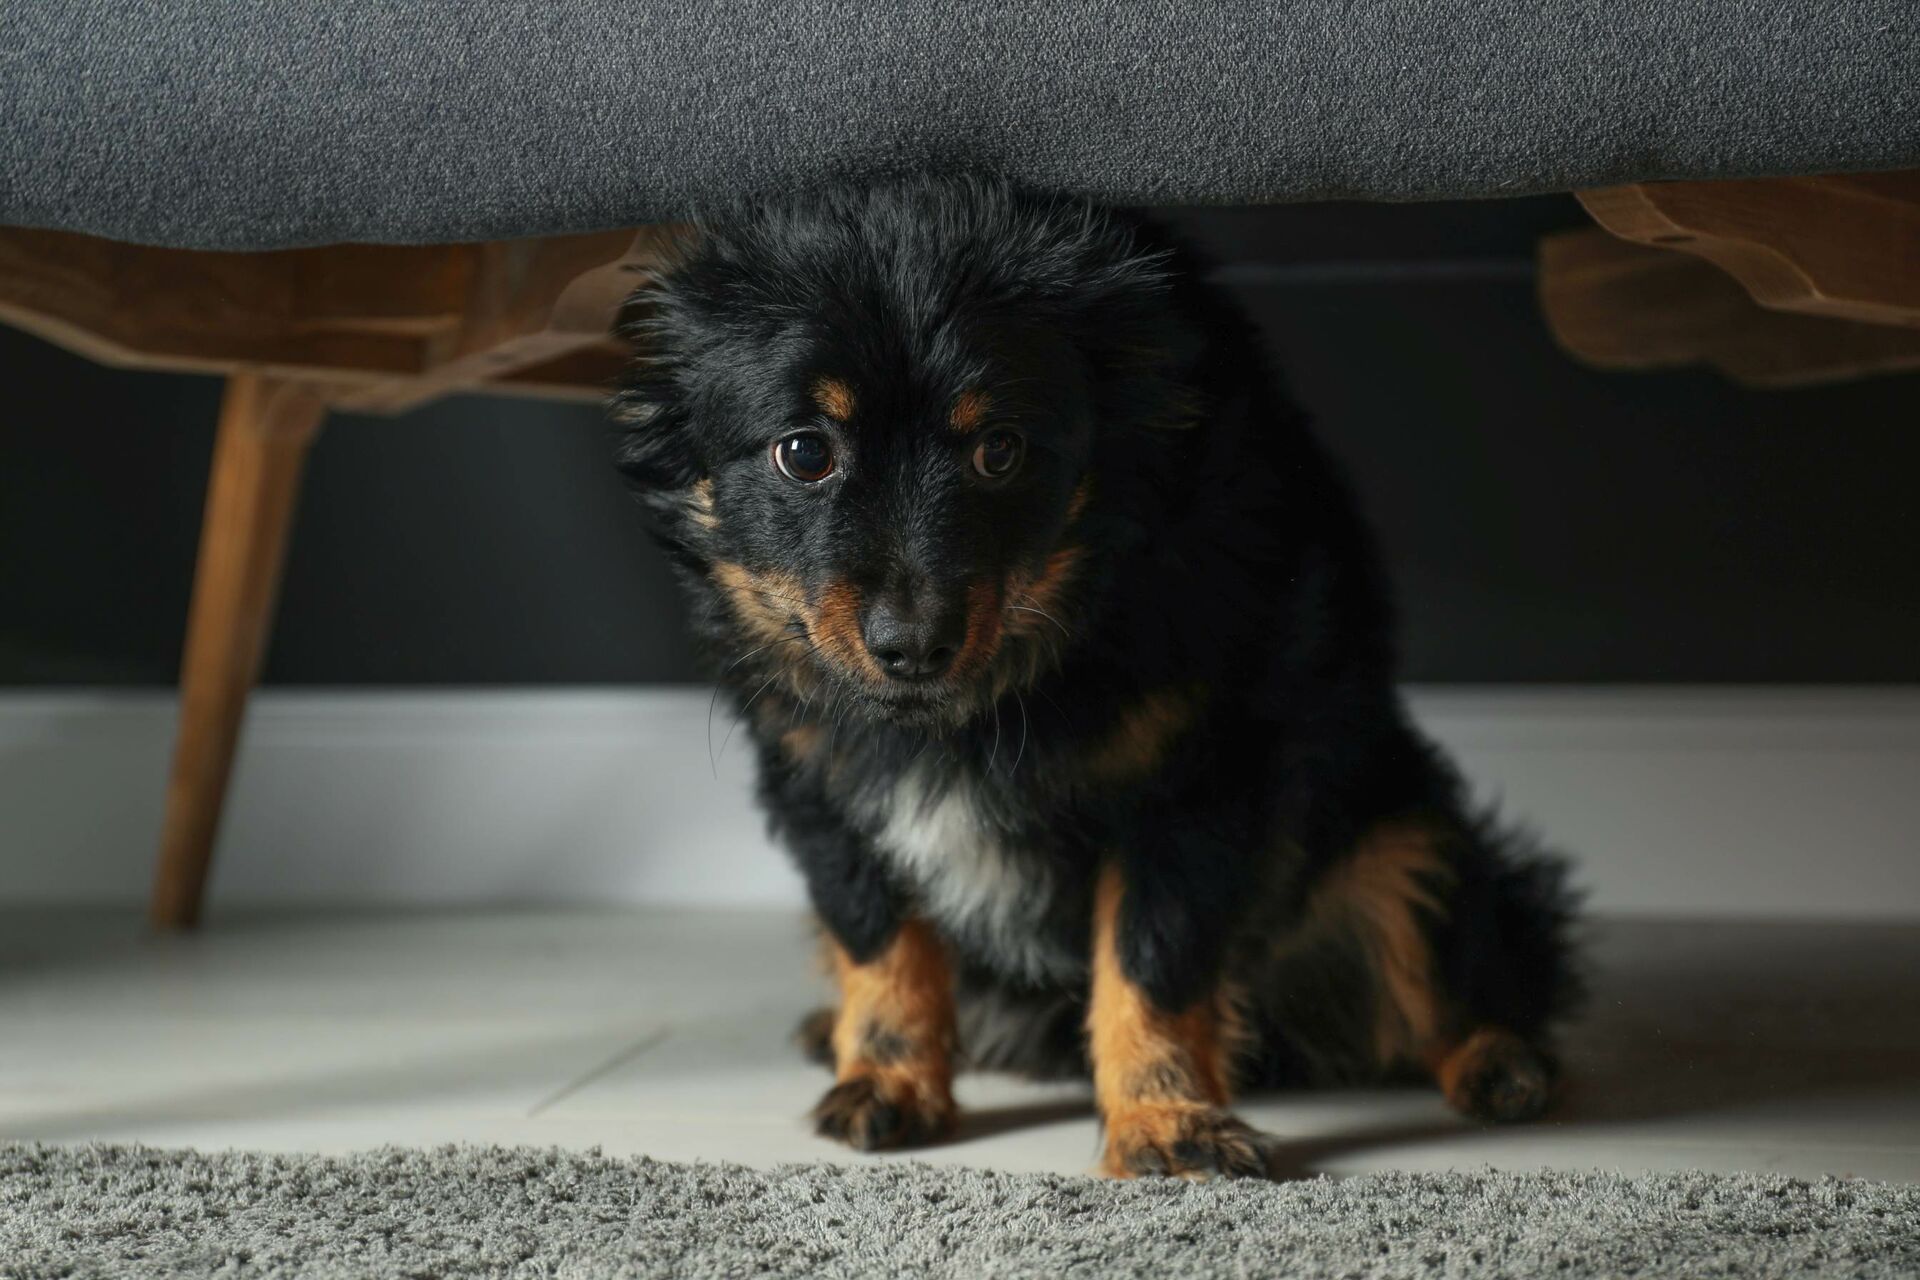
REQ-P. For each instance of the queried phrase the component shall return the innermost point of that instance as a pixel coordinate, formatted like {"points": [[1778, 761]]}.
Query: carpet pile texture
{"points": [[455, 1212]]}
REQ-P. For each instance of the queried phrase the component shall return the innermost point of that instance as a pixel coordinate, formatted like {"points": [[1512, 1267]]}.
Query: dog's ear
{"points": [[654, 451], [1115, 287], [1141, 343], [654, 446], [651, 426]]}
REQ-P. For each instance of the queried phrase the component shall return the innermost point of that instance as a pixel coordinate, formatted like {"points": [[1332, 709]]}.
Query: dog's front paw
{"points": [[874, 1113], [1496, 1077], [1184, 1140]]}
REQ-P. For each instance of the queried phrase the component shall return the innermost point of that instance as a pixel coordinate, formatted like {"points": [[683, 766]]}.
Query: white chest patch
{"points": [[970, 881]]}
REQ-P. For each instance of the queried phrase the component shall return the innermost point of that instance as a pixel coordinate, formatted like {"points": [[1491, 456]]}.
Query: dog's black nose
{"points": [[912, 644]]}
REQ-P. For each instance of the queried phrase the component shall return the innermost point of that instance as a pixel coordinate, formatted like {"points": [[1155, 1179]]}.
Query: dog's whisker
{"points": [[762, 649], [1032, 608], [836, 711], [743, 715], [921, 752], [995, 753], [713, 758], [1022, 703], [1064, 718], [1025, 608]]}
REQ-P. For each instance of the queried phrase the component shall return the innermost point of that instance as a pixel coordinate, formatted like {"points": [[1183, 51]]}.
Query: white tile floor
{"points": [[1789, 1047]]}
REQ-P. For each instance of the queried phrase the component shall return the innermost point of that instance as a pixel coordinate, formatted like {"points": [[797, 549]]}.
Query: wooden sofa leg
{"points": [[266, 424]]}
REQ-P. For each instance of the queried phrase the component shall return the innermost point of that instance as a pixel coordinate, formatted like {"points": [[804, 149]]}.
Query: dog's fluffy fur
{"points": [[1163, 816]]}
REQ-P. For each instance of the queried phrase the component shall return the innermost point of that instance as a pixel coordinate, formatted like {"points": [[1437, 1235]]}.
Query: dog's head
{"points": [[871, 426]]}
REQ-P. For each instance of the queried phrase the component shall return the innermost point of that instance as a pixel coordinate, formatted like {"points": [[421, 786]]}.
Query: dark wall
{"points": [[1546, 523]]}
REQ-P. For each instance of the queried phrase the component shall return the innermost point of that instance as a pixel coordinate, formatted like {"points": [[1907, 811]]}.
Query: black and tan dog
{"points": [[1069, 663]]}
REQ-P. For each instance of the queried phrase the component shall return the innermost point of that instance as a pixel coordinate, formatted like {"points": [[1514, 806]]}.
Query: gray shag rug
{"points": [[474, 1211]]}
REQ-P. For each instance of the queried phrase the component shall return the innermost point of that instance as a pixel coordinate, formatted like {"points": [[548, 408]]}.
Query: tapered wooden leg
{"points": [[266, 424]]}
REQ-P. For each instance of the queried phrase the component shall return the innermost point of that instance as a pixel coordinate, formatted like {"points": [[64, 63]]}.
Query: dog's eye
{"points": [[998, 456], [806, 457]]}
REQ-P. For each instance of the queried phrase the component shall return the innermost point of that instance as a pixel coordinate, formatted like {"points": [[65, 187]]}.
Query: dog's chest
{"points": [[996, 894]]}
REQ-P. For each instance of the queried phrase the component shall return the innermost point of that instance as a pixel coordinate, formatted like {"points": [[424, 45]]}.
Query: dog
{"points": [[1068, 661]]}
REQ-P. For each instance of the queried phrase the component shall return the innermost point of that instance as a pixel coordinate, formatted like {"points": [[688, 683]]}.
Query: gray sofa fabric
{"points": [[258, 123]]}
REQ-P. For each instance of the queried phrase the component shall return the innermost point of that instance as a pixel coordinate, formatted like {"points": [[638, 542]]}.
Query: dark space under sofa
{"points": [[368, 207]]}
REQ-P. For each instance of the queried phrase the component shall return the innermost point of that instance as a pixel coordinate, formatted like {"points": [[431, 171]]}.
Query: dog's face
{"points": [[874, 451], [893, 516]]}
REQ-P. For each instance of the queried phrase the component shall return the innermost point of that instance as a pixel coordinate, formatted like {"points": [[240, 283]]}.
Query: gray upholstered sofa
{"points": [[266, 123]]}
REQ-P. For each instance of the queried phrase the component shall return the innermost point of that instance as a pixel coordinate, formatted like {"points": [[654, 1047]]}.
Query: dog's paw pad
{"points": [[860, 1113]]}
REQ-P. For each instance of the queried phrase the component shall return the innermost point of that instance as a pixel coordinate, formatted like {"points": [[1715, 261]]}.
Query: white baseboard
{"points": [[1725, 802]]}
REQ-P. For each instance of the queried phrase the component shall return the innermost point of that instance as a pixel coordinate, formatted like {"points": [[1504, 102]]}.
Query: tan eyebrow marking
{"points": [[834, 397], [1078, 502], [969, 411]]}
